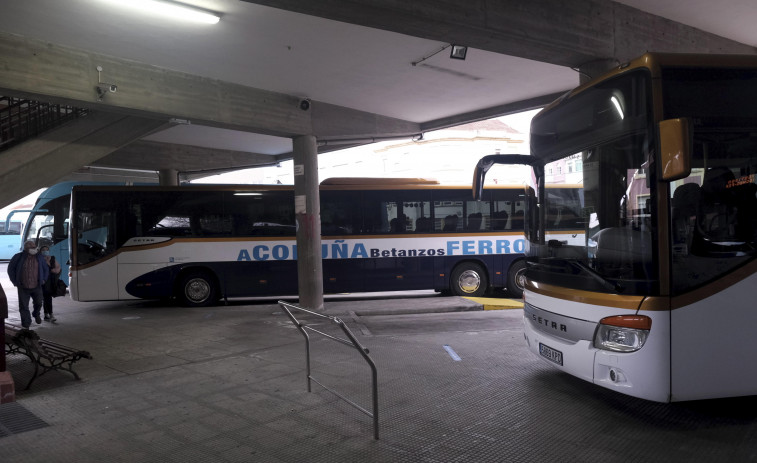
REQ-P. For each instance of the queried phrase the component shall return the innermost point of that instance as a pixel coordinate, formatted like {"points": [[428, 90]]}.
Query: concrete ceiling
{"points": [[359, 55]]}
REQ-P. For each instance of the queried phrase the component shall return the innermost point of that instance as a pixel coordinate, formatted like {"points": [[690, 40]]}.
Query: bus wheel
{"points": [[469, 279], [515, 279], [197, 290]]}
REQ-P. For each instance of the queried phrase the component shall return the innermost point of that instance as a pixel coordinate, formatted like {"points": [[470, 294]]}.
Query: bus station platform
{"points": [[228, 384]]}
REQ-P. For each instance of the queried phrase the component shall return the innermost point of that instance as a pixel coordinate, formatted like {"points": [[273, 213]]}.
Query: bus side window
{"points": [[474, 222], [398, 224], [499, 220], [424, 224]]}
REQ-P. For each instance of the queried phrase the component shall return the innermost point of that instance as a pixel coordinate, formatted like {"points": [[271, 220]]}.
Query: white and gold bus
{"points": [[657, 301]]}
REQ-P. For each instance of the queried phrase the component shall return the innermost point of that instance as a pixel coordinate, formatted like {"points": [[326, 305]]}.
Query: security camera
{"points": [[103, 88], [305, 104]]}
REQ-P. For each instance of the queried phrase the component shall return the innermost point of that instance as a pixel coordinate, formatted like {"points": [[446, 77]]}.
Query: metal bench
{"points": [[45, 355]]}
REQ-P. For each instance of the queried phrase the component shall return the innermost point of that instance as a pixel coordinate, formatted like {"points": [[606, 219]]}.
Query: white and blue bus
{"points": [[200, 243], [10, 235], [47, 223]]}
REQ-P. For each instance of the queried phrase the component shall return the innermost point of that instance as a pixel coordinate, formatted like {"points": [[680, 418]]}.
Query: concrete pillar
{"points": [[308, 214], [168, 177], [592, 69]]}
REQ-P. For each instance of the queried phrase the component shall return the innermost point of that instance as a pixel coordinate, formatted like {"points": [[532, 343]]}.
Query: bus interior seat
{"points": [[397, 224], [746, 219], [684, 211], [474, 222], [518, 220], [449, 223], [423, 224], [623, 251], [499, 220], [716, 216]]}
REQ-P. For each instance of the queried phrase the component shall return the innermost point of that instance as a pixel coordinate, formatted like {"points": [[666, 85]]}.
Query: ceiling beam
{"points": [[43, 160], [48, 72], [566, 33], [150, 155]]}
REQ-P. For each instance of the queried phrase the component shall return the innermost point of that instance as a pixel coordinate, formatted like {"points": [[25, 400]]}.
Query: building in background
{"points": [[447, 155]]}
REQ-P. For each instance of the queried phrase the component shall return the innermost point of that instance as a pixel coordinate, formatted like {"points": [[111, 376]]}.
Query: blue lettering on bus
{"points": [[452, 246], [339, 250], [280, 252], [485, 247], [260, 252], [359, 251], [469, 248], [519, 246], [343, 250], [503, 246]]}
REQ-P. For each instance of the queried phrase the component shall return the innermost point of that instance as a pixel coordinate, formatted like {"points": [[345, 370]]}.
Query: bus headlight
{"points": [[622, 333]]}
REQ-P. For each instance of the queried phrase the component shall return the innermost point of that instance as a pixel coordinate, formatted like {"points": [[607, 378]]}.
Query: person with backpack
{"points": [[48, 290]]}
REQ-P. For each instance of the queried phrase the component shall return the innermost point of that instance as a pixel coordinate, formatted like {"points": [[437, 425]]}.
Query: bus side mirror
{"points": [[675, 148], [478, 182]]}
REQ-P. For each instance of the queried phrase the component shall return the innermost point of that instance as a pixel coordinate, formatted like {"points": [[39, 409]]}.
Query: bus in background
{"points": [[657, 302], [200, 243], [47, 223], [10, 235]]}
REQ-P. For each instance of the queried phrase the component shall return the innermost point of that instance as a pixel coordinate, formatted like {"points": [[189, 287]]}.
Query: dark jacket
{"points": [[14, 268]]}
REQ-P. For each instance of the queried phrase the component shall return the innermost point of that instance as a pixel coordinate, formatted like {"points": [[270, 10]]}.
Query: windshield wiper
{"points": [[601, 279], [617, 287]]}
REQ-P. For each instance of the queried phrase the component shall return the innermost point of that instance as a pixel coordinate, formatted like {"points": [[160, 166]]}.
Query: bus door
{"points": [[93, 257]]}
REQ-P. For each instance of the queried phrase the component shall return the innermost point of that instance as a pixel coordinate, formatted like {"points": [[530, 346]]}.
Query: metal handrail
{"points": [[351, 341]]}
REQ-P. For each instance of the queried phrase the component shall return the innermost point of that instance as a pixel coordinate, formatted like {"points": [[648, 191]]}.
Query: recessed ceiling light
{"points": [[173, 10]]}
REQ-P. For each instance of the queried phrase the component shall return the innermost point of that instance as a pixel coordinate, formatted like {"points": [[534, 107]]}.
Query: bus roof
{"points": [[368, 181], [655, 61]]}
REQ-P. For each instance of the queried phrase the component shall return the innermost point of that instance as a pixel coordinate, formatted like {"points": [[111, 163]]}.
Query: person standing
{"points": [[28, 272], [48, 289]]}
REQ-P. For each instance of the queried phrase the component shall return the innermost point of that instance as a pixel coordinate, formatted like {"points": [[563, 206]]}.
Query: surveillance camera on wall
{"points": [[103, 88], [305, 104]]}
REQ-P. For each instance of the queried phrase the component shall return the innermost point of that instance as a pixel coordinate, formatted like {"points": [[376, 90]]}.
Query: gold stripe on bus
{"points": [[714, 287], [585, 297], [655, 304]]}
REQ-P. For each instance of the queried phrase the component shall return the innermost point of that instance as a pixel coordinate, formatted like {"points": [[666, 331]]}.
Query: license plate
{"points": [[550, 354]]}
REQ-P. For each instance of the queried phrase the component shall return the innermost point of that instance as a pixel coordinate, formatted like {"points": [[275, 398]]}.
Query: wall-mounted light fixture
{"points": [[458, 52], [171, 9]]}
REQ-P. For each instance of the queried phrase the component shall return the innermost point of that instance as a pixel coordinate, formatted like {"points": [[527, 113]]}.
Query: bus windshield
{"points": [[599, 140]]}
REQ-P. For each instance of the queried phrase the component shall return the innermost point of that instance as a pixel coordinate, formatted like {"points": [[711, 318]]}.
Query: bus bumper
{"points": [[644, 374]]}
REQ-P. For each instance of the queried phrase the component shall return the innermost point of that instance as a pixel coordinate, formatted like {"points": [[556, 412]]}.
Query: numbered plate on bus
{"points": [[550, 354]]}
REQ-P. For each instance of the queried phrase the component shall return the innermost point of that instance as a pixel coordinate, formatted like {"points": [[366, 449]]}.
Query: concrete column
{"points": [[592, 69], [168, 177], [308, 214]]}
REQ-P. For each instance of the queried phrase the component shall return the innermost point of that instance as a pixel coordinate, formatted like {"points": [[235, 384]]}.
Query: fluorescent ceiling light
{"points": [[172, 10]]}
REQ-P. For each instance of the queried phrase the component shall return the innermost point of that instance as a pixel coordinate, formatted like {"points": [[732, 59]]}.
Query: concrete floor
{"points": [[228, 384]]}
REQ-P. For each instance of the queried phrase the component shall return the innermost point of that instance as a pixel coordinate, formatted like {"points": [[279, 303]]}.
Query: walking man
{"points": [[28, 271]]}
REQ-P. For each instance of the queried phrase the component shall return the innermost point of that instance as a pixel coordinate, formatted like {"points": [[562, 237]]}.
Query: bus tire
{"points": [[469, 279], [515, 280], [197, 289]]}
